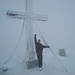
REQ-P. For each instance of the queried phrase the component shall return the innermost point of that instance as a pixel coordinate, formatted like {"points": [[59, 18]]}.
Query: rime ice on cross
{"points": [[29, 17]]}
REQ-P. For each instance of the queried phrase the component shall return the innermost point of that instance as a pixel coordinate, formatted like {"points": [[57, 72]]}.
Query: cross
{"points": [[29, 17]]}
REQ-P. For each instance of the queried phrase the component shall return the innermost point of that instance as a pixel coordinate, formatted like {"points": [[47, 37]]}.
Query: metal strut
{"points": [[16, 45], [50, 49]]}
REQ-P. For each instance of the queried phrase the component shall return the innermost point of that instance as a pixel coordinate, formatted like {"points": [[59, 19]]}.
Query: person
{"points": [[39, 50]]}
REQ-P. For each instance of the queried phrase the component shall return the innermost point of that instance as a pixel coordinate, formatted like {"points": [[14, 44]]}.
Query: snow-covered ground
{"points": [[51, 66], [59, 32]]}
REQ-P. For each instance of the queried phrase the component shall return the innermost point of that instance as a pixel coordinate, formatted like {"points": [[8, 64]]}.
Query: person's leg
{"points": [[40, 61], [38, 58]]}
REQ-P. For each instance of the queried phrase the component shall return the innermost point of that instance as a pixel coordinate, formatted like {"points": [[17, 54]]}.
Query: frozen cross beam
{"points": [[22, 15]]}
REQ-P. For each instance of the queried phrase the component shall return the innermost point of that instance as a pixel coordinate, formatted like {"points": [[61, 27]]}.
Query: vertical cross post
{"points": [[29, 22]]}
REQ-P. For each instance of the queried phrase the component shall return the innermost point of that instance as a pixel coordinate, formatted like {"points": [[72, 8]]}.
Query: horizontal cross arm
{"points": [[22, 15], [17, 15], [39, 17]]}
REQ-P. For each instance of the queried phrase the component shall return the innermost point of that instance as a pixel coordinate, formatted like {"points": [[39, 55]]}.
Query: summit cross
{"points": [[29, 17]]}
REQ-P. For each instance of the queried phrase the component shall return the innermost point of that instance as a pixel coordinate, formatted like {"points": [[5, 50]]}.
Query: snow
{"points": [[58, 31], [51, 66]]}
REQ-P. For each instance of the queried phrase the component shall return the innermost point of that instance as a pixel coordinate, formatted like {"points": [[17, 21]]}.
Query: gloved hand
{"points": [[48, 46]]}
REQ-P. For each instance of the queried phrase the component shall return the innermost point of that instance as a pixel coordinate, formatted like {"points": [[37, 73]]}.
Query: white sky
{"points": [[59, 30]]}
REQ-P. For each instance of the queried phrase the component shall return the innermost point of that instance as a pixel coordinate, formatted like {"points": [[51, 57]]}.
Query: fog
{"points": [[58, 31]]}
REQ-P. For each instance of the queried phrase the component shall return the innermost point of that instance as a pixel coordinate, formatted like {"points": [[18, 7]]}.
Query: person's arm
{"points": [[35, 39], [45, 46]]}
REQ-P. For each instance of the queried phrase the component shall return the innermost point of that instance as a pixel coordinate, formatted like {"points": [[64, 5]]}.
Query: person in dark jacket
{"points": [[39, 50]]}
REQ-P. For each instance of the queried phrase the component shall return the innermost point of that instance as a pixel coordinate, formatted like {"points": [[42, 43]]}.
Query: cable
{"points": [[41, 35], [51, 49], [58, 60], [16, 45]]}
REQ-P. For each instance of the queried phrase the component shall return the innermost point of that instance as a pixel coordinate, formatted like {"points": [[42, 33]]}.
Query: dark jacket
{"points": [[39, 46]]}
